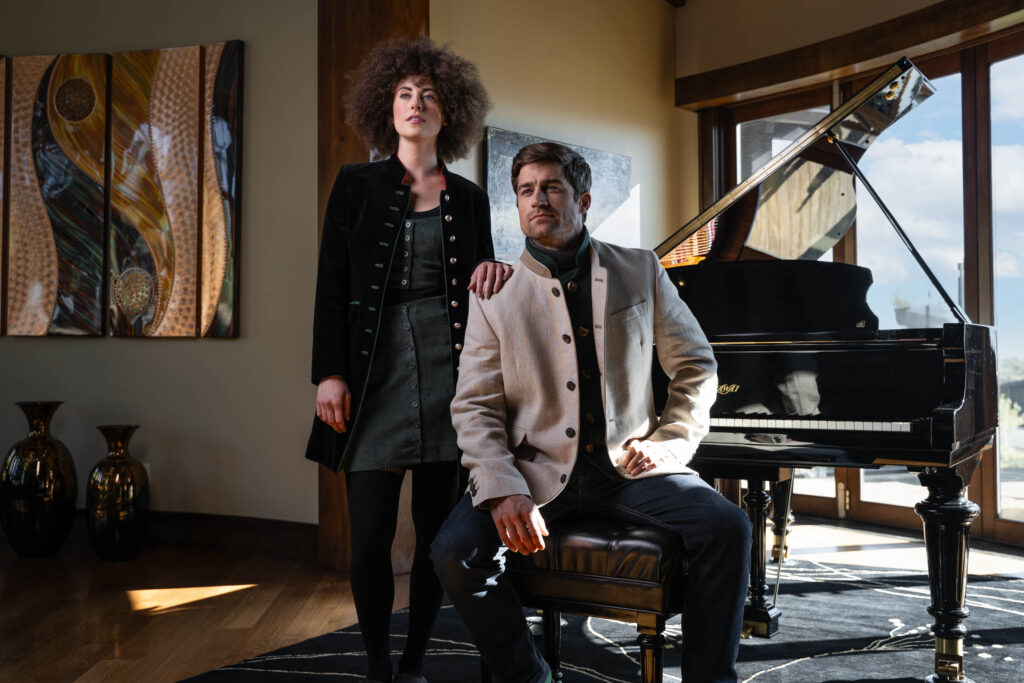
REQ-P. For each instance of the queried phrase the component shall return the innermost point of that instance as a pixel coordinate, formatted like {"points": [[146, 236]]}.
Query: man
{"points": [[554, 414]]}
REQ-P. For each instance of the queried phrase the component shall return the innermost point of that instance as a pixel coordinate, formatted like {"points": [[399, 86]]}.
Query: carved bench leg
{"points": [[652, 649]]}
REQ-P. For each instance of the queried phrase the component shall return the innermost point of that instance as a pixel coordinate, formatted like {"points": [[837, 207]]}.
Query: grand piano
{"points": [[807, 378]]}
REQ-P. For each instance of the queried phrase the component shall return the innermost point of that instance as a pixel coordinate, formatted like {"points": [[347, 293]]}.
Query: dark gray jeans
{"points": [[470, 561]]}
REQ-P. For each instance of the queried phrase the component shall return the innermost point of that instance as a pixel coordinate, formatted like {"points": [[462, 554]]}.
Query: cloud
{"points": [[1007, 94]]}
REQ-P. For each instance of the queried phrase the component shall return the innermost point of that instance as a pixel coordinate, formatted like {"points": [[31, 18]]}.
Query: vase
{"points": [[38, 486], [117, 498]]}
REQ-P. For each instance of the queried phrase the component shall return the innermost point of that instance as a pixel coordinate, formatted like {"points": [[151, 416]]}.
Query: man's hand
{"points": [[635, 461], [334, 403], [488, 278], [519, 523]]}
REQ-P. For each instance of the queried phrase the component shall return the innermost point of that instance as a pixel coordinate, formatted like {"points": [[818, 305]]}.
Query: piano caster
{"points": [[778, 551], [761, 622], [949, 662]]}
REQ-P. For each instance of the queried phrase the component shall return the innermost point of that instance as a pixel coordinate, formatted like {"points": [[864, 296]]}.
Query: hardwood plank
{"points": [[944, 25]]}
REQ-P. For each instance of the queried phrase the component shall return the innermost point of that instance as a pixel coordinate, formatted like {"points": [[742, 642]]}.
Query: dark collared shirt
{"points": [[572, 268]]}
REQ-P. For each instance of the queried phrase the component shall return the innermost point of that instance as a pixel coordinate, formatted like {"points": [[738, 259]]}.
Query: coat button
{"points": [[554, 290], [566, 338], [446, 197], [453, 260], [586, 373], [572, 286], [582, 331], [455, 304], [562, 479], [457, 326], [458, 347], [452, 238], [454, 282], [448, 218], [589, 448], [408, 224], [570, 432], [570, 385]]}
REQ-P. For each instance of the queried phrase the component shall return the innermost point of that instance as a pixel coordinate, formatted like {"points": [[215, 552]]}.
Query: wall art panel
{"points": [[154, 192], [222, 164], [56, 204], [121, 199]]}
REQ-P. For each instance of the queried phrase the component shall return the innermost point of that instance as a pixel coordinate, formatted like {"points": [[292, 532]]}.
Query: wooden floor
{"points": [[176, 612]]}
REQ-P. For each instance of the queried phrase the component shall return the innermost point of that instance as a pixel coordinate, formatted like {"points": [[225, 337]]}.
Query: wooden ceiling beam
{"points": [[944, 25]]}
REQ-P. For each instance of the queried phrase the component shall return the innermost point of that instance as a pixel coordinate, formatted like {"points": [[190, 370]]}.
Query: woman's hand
{"points": [[334, 403], [488, 278]]}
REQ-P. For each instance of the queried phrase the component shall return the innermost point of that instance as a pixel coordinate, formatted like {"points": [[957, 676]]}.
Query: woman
{"points": [[401, 239]]}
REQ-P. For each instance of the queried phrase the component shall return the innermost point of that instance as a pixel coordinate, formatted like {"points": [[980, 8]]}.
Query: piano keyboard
{"points": [[816, 425]]}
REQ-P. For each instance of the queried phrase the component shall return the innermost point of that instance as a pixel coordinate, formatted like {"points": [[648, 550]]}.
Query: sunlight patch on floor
{"points": [[163, 600], [839, 545]]}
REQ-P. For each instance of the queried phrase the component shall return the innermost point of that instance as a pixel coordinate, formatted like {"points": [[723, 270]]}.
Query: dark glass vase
{"points": [[117, 498], [38, 486]]}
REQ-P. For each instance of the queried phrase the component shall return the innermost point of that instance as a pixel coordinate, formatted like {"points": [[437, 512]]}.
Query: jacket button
{"points": [[589, 448], [572, 286], [448, 218], [562, 479], [566, 338], [455, 304], [458, 347], [582, 331], [454, 282], [453, 260], [447, 198], [570, 432], [457, 326], [570, 385], [554, 290], [452, 238]]}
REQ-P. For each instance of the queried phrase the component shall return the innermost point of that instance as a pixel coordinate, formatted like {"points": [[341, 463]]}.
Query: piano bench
{"points": [[604, 568]]}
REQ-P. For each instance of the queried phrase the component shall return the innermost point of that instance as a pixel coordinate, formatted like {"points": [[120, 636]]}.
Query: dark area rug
{"points": [[839, 623]]}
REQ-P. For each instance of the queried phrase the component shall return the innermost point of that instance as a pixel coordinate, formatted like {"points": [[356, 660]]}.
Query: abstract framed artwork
{"points": [[611, 176], [122, 196]]}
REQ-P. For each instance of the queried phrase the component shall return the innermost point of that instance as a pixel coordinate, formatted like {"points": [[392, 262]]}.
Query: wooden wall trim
{"points": [[275, 538], [944, 25], [346, 31]]}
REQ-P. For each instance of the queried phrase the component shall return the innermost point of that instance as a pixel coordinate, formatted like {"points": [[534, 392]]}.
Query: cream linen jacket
{"points": [[515, 411]]}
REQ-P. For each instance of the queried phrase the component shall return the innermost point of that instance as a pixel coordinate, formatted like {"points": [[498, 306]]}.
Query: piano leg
{"points": [[759, 618], [782, 516], [947, 515]]}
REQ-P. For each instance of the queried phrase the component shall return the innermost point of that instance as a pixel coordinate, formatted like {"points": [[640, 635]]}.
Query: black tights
{"points": [[373, 511]]}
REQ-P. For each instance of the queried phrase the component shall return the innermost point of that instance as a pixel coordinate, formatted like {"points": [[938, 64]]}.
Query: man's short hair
{"points": [[574, 166]]}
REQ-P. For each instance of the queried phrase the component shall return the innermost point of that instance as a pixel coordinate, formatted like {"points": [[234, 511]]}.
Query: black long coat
{"points": [[364, 215]]}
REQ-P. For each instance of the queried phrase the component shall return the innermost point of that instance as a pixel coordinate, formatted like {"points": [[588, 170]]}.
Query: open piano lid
{"points": [[799, 204]]}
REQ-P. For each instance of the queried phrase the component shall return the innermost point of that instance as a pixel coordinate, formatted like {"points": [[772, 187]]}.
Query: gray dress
{"points": [[405, 418]]}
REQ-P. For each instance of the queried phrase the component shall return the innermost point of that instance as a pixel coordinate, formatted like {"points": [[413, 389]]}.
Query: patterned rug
{"points": [[839, 623]]}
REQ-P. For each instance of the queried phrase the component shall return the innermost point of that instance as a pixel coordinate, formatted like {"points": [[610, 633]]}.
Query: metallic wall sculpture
{"points": [[56, 203], [138, 239]]}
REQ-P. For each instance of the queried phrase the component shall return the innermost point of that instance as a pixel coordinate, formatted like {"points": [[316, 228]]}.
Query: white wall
{"points": [[711, 34], [223, 422], [596, 73]]}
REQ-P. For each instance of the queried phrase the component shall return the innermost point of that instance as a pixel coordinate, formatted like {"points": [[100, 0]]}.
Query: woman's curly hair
{"points": [[464, 101]]}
